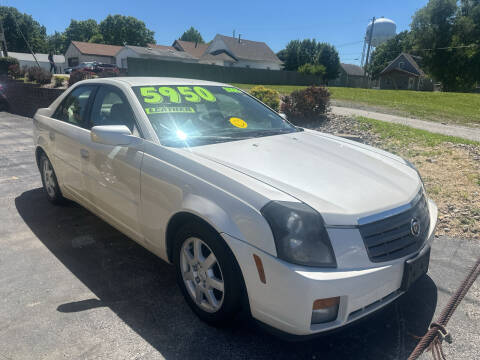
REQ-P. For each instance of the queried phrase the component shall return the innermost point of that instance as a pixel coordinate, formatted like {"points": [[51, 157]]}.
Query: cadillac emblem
{"points": [[415, 227]]}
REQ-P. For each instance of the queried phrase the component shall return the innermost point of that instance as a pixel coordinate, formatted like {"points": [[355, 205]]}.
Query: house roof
{"points": [[248, 49], [352, 70], [159, 52], [58, 59], [392, 66], [194, 49], [220, 56], [163, 47], [96, 49]]}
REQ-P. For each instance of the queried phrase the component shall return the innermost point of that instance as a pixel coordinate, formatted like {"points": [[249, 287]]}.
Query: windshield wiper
{"points": [[210, 139]]}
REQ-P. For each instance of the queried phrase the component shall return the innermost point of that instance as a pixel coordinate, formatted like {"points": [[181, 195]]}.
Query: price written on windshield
{"points": [[153, 95]]}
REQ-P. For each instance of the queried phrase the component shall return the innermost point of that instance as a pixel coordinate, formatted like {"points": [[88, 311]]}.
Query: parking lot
{"points": [[71, 286]]}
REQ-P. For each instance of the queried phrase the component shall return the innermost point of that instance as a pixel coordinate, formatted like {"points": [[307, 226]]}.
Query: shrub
{"points": [[14, 71], [312, 69], [304, 106], [5, 63], [78, 75], [58, 80], [268, 96], [39, 75]]}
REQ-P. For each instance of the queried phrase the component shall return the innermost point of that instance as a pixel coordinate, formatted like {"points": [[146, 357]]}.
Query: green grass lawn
{"points": [[459, 108]]}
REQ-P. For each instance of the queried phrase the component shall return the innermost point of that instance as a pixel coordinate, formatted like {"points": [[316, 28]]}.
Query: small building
{"points": [[27, 59], [79, 52], [350, 75], [157, 52], [245, 53], [404, 73]]}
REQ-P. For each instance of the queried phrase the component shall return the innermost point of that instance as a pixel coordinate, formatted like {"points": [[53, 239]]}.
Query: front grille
{"points": [[392, 238]]}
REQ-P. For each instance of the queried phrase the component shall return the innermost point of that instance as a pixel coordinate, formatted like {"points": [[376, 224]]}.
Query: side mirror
{"points": [[115, 135], [282, 115]]}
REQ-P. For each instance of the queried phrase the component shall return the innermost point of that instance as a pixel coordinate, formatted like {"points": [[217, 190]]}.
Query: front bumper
{"points": [[285, 300]]}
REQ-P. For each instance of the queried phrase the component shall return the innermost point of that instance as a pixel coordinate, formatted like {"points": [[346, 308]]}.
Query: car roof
{"points": [[153, 80]]}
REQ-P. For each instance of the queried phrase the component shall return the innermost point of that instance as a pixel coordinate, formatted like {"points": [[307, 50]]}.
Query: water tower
{"points": [[383, 30]]}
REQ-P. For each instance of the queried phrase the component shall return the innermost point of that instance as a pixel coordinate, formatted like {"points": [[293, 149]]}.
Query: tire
{"points": [[49, 181], [201, 283]]}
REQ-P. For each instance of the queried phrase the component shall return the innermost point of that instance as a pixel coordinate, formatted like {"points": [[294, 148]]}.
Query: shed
{"points": [[404, 73], [79, 52]]}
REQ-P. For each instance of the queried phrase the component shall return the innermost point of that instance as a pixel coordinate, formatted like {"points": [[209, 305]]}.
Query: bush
{"points": [[5, 63], [312, 69], [78, 75], [14, 71], [268, 96], [39, 75], [303, 106], [58, 80]]}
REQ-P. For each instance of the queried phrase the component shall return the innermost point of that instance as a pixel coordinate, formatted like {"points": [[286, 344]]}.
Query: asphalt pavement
{"points": [[72, 287]]}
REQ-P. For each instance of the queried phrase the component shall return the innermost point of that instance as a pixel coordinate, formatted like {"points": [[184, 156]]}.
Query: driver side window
{"points": [[111, 108]]}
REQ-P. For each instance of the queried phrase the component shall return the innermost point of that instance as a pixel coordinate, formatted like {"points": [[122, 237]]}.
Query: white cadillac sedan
{"points": [[307, 230]]}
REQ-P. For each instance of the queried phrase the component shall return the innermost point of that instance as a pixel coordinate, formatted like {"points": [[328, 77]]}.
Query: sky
{"points": [[339, 22]]}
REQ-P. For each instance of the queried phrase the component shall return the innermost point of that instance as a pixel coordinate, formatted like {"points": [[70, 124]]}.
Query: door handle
{"points": [[84, 153], [51, 135]]}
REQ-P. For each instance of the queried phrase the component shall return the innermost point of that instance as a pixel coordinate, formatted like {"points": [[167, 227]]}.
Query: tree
{"points": [[120, 30], [192, 35], [312, 69], [309, 51], [97, 39], [389, 50], [56, 42], [35, 33], [450, 33], [82, 30]]}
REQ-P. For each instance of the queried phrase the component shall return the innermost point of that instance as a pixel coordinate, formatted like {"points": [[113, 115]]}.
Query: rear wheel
{"points": [[207, 274], [49, 181]]}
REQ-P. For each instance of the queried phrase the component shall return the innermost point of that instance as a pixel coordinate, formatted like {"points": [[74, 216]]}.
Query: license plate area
{"points": [[414, 269]]}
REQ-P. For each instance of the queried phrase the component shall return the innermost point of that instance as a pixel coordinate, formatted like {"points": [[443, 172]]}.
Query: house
{"points": [[404, 73], [27, 59], [157, 52], [350, 75], [79, 52], [199, 51], [246, 53]]}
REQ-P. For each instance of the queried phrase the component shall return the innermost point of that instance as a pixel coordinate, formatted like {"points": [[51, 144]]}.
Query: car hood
{"points": [[341, 179]]}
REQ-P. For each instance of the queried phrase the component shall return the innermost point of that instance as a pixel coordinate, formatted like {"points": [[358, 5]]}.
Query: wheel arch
{"points": [[38, 152]]}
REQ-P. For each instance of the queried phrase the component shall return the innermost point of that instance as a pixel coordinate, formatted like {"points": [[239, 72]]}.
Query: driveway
{"points": [[73, 287]]}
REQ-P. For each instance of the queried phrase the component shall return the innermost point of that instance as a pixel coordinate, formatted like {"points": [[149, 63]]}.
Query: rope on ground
{"points": [[437, 332]]}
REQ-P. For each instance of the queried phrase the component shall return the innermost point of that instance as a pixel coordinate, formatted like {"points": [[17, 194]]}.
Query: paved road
{"points": [[435, 127], [72, 287]]}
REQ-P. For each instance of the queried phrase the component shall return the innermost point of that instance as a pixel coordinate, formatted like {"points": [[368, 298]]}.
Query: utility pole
{"points": [[368, 50], [3, 43]]}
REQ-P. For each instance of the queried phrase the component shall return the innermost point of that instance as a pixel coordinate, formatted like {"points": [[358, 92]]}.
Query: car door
{"points": [[113, 172], [70, 137]]}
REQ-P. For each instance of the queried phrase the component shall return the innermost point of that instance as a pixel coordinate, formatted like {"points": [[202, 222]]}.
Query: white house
{"points": [[79, 52], [28, 60], [246, 53], [157, 52]]}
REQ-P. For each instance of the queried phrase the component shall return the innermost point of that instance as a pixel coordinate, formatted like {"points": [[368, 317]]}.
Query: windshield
{"points": [[199, 115]]}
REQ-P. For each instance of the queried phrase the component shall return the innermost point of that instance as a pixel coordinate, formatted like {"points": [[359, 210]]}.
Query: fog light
{"points": [[325, 310]]}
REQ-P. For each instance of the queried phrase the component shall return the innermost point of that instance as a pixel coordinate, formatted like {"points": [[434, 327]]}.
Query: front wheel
{"points": [[207, 274]]}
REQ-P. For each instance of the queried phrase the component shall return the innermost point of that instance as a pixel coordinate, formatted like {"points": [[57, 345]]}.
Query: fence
{"points": [[150, 67]]}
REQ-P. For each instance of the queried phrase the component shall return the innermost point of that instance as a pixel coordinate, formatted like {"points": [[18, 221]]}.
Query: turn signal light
{"points": [[261, 271], [325, 310]]}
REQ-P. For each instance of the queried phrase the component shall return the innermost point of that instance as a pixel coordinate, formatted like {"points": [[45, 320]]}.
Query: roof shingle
{"points": [[248, 49], [96, 49]]}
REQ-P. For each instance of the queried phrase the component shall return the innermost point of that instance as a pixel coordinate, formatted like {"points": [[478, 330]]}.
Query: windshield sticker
{"points": [[157, 95], [237, 122], [169, 109], [232, 90]]}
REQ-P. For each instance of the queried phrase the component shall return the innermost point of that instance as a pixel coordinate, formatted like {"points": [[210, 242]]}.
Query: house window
{"points": [[401, 65], [411, 82], [73, 61]]}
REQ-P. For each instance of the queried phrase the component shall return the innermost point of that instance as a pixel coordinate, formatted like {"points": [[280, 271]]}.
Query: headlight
{"points": [[299, 233]]}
